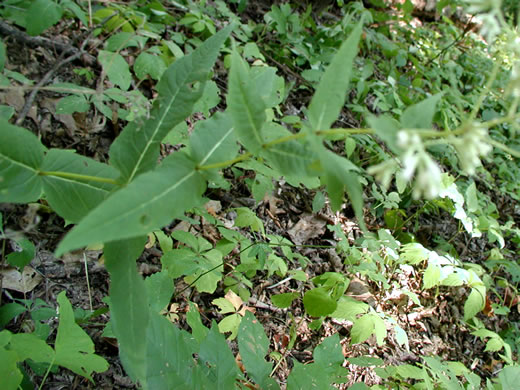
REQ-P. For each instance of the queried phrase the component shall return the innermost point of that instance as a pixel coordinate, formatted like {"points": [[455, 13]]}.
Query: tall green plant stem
{"points": [[77, 176]]}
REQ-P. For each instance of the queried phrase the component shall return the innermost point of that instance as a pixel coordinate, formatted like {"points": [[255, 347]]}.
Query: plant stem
{"points": [[77, 176]]}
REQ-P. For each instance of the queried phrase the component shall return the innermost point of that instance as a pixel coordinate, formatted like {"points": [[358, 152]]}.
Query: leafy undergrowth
{"points": [[316, 197]]}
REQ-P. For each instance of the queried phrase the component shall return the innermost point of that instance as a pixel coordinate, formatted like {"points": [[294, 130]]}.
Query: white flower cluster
{"points": [[487, 11], [415, 161], [471, 147]]}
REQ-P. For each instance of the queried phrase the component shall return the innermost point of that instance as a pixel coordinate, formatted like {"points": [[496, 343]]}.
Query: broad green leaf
{"points": [[230, 324], [420, 115], [137, 148], [74, 348], [284, 300], [408, 371], [148, 203], [509, 377], [8, 311], [253, 346], [24, 257], [160, 287], [2, 56], [379, 329], [246, 107], [247, 218], [213, 140], [169, 360], [318, 302], [215, 354], [75, 192], [198, 330], [362, 329], [28, 346], [475, 302], [432, 276], [9, 372], [327, 102], [209, 272], [21, 155], [329, 354], [309, 376], [349, 308], [41, 15], [72, 104], [386, 128], [149, 64], [291, 158], [116, 68], [129, 312], [472, 198]]}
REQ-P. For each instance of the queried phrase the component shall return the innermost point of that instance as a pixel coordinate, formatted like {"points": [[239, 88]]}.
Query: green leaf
{"points": [[148, 203], [213, 140], [379, 329], [247, 218], [284, 300], [24, 257], [291, 159], [160, 287], [129, 312], [41, 15], [21, 155], [8, 311], [327, 102], [407, 371], [74, 349], [432, 276], [509, 377], [318, 302], [3, 56], [230, 324], [9, 372], [28, 346], [246, 107], [75, 195], [475, 302], [362, 329], [137, 148], [349, 308], [386, 128], [72, 104], [116, 68], [329, 354], [215, 354], [198, 330], [420, 115], [149, 64], [253, 346]]}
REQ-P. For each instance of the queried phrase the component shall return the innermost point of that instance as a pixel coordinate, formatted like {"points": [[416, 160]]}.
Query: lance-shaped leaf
{"points": [[340, 176], [246, 106], [213, 140], [74, 191], [327, 102], [148, 203], [21, 155], [129, 304], [420, 115], [137, 148], [291, 159]]}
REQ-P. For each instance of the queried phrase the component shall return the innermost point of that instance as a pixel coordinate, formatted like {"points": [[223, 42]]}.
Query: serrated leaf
{"points": [[116, 68], [318, 302], [75, 195], [420, 115], [147, 204], [284, 300], [431, 276], [149, 64], [475, 302], [253, 346], [129, 311], [215, 354], [74, 348], [327, 102], [41, 15], [246, 107], [362, 329], [137, 148], [21, 155]]}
